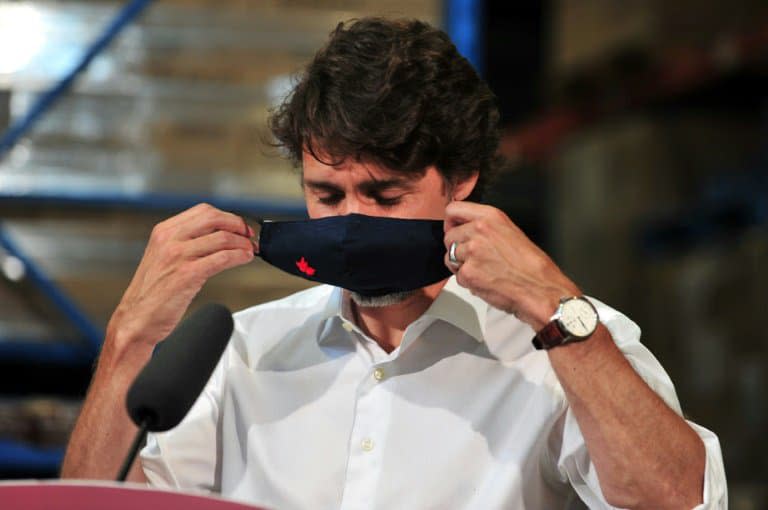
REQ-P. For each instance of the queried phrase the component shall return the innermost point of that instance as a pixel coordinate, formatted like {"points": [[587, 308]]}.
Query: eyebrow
{"points": [[322, 186], [367, 187]]}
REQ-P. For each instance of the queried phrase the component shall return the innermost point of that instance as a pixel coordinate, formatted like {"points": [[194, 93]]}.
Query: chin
{"points": [[379, 301]]}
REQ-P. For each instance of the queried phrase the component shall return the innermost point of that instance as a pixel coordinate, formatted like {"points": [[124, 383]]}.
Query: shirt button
{"points": [[367, 444], [346, 325], [379, 374]]}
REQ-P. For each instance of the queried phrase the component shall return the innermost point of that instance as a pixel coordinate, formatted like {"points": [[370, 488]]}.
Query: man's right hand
{"points": [[183, 252]]}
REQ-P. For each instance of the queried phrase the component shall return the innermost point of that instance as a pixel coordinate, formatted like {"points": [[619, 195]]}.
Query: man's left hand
{"points": [[498, 263]]}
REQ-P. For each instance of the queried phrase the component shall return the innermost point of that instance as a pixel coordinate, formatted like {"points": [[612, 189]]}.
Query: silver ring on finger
{"points": [[452, 255]]}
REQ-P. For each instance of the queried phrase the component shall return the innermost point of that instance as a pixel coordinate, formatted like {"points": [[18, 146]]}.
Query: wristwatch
{"points": [[574, 321]]}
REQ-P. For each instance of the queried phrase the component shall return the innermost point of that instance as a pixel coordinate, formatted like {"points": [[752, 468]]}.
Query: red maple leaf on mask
{"points": [[304, 267]]}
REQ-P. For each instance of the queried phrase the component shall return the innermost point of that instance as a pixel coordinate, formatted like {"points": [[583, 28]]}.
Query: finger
{"points": [[220, 261], [460, 212], [459, 257], [216, 241], [211, 220], [189, 215], [247, 229], [169, 227], [256, 238], [461, 252], [453, 268], [187, 224], [459, 234]]}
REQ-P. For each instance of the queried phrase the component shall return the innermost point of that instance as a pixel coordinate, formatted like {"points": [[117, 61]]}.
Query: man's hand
{"points": [[498, 263], [637, 443], [183, 252]]}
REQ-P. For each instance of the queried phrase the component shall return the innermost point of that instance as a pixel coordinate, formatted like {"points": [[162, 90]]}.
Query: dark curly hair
{"points": [[396, 93]]}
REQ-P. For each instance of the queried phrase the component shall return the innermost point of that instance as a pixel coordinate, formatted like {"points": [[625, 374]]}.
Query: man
{"points": [[426, 397]]}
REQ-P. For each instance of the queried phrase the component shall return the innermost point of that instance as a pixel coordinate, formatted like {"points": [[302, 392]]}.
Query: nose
{"points": [[353, 205]]}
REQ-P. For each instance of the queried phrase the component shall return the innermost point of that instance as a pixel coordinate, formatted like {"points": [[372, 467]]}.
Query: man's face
{"points": [[366, 188]]}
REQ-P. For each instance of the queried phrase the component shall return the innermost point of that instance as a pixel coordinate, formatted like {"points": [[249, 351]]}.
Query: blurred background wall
{"points": [[637, 135]]}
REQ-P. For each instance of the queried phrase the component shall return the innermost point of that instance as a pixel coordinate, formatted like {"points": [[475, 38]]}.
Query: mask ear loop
{"points": [[255, 242]]}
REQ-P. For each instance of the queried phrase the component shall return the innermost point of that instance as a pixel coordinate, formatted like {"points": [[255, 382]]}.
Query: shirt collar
{"points": [[336, 313], [454, 304], [457, 306]]}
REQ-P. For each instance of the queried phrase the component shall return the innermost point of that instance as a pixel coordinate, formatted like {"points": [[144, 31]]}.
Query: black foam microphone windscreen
{"points": [[171, 381]]}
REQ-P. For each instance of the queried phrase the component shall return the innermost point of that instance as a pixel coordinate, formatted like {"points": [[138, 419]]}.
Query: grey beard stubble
{"points": [[379, 301]]}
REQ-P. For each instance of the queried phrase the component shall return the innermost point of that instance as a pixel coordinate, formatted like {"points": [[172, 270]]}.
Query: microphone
{"points": [[168, 385]]}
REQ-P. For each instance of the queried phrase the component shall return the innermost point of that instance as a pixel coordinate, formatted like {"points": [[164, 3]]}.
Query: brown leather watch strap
{"points": [[549, 336]]}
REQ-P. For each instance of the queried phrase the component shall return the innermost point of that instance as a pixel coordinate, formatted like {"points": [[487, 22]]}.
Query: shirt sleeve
{"points": [[187, 456], [573, 462]]}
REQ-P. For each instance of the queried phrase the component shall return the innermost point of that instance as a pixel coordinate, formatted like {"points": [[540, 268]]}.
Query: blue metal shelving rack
{"points": [[463, 23], [25, 459]]}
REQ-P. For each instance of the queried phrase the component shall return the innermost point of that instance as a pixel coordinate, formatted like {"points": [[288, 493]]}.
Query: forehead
{"points": [[350, 168]]}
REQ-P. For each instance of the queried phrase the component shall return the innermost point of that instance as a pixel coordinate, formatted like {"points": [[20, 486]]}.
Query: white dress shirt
{"points": [[304, 411]]}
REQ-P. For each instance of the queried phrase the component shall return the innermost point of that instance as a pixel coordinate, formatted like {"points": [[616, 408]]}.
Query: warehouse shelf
{"points": [[734, 203], [20, 459], [91, 333], [154, 201], [171, 116], [23, 125], [60, 352], [17, 350], [120, 79], [677, 72]]}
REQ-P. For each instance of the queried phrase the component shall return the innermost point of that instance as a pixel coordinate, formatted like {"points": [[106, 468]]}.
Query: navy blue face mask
{"points": [[370, 255]]}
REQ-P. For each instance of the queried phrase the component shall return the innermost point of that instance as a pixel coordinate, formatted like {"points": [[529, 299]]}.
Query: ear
{"points": [[461, 189]]}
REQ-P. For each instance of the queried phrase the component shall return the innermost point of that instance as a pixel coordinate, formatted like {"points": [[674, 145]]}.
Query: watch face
{"points": [[579, 317]]}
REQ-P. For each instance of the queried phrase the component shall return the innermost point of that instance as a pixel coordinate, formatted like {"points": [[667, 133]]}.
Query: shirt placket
{"points": [[367, 441]]}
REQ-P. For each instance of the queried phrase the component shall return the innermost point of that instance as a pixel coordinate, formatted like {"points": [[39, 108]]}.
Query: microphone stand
{"points": [[137, 442]]}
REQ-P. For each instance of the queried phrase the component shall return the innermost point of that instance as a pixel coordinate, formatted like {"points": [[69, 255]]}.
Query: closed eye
{"points": [[388, 201], [332, 199]]}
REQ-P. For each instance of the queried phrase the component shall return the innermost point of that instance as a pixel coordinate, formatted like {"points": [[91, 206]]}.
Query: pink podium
{"points": [[72, 495]]}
